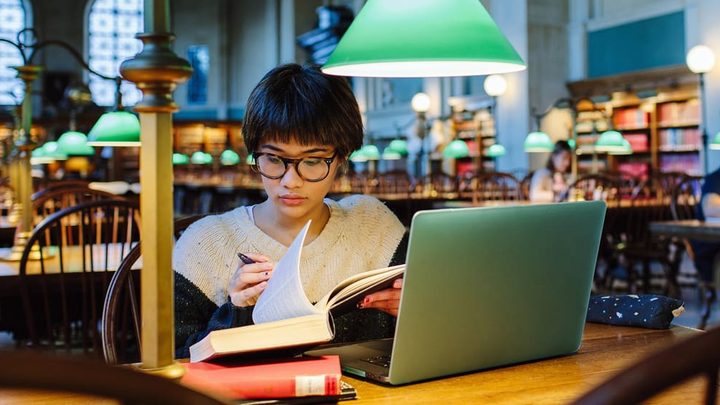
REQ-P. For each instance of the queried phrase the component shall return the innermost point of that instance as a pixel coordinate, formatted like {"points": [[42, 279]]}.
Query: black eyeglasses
{"points": [[311, 169]]}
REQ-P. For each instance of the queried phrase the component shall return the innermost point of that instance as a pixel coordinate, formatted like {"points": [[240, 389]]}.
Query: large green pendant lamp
{"points": [[115, 128], [611, 142], [75, 144], [229, 158], [456, 149], [423, 38], [180, 159], [495, 151], [537, 142]]}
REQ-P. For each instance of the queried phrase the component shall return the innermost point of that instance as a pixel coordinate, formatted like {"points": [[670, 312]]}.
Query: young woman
{"points": [[300, 126], [550, 183]]}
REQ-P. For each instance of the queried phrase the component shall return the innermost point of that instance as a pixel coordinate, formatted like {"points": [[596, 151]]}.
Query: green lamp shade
{"points": [[456, 149], [75, 143], [229, 158], [611, 142], [201, 158], [571, 143], [626, 149], [398, 146], [371, 152], [250, 159], [389, 154], [715, 142], [358, 156], [496, 150], [423, 38], [53, 151], [38, 157], [116, 128], [537, 142], [180, 159]]}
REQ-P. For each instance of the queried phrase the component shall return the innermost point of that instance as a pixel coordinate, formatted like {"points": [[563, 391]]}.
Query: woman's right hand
{"points": [[250, 280]]}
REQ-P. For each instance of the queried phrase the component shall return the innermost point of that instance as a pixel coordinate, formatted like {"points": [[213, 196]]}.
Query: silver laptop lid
{"points": [[486, 287]]}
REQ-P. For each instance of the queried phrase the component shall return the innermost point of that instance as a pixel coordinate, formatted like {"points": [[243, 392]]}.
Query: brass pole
{"points": [[24, 145], [156, 71]]}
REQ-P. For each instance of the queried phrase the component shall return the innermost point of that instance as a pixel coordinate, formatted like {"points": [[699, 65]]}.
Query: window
{"points": [[199, 57], [13, 19], [112, 25]]}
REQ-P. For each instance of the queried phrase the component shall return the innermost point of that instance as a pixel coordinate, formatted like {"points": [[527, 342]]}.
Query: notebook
{"points": [[486, 287]]}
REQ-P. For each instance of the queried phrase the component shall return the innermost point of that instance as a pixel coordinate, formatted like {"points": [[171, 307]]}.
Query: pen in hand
{"points": [[245, 259]]}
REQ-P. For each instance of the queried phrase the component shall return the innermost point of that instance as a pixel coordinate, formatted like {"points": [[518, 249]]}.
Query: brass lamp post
{"points": [[156, 71]]}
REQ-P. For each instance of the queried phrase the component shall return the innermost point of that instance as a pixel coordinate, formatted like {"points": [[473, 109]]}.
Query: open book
{"points": [[283, 315]]}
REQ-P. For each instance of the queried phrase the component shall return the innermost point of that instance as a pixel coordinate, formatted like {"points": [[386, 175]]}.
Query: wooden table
{"points": [[691, 229], [605, 350]]}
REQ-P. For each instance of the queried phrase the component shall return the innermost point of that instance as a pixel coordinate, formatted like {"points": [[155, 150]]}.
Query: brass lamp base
{"points": [[15, 254], [173, 371]]}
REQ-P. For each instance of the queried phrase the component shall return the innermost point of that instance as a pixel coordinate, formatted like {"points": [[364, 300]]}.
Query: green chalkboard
{"points": [[646, 44]]}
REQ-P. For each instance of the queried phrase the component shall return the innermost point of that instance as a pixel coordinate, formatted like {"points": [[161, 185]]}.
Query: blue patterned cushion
{"points": [[646, 311]]}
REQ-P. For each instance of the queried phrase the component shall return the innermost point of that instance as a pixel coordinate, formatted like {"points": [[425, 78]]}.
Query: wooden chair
{"points": [[120, 324], [693, 357], [37, 371], [77, 249], [635, 246]]}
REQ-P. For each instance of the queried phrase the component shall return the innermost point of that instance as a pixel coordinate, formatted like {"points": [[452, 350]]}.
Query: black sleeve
{"points": [[196, 316], [400, 254]]}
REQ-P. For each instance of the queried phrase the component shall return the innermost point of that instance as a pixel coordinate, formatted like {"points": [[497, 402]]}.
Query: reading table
{"points": [[605, 350]]}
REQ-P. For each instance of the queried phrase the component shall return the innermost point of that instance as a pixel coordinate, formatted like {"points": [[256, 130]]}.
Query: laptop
{"points": [[486, 287]]}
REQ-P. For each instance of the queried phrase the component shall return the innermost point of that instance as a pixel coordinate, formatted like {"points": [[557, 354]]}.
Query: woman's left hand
{"points": [[385, 300]]}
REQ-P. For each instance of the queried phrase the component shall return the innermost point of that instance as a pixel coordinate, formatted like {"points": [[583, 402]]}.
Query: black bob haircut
{"points": [[301, 104]]}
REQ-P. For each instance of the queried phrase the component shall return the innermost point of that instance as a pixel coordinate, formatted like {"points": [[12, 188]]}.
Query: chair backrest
{"points": [[49, 201], [66, 267], [120, 325], [496, 186], [525, 185], [60, 184], [686, 198], [37, 371], [696, 356]]}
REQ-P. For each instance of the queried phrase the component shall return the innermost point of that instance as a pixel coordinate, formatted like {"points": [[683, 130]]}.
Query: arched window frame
{"points": [[103, 91], [9, 56]]}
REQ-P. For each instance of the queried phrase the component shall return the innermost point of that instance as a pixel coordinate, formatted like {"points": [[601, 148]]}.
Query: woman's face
{"points": [[291, 195], [561, 161]]}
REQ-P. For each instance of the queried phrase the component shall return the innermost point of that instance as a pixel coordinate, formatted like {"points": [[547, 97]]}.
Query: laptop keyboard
{"points": [[382, 360]]}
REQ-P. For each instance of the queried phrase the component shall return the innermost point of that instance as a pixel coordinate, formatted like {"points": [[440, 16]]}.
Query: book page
{"points": [[284, 296], [360, 284]]}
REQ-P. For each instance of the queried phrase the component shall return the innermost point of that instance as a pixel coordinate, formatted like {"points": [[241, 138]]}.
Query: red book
{"points": [[299, 377]]}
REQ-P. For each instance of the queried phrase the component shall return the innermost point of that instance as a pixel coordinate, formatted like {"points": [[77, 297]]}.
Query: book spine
{"points": [[298, 386], [324, 384]]}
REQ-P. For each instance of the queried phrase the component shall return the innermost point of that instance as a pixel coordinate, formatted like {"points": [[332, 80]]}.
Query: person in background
{"points": [[705, 252], [550, 183], [300, 126]]}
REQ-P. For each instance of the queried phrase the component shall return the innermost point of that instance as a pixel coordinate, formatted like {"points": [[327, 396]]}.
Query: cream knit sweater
{"points": [[361, 234]]}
